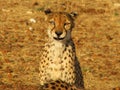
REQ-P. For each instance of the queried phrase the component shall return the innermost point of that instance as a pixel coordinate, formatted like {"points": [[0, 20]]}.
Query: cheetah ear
{"points": [[47, 11], [74, 15]]}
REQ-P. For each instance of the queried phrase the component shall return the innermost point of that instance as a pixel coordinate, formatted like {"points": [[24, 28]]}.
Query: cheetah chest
{"points": [[55, 55], [60, 61]]}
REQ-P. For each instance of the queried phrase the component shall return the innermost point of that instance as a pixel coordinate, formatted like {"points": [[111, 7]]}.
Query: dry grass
{"points": [[96, 36]]}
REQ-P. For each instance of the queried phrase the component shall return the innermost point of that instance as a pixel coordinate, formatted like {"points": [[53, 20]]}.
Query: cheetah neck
{"points": [[57, 50]]}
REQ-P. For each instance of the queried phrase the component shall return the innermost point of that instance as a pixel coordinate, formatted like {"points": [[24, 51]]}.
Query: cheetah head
{"points": [[59, 24]]}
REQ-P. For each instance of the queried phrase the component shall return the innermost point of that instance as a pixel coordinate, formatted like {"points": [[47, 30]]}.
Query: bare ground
{"points": [[96, 36]]}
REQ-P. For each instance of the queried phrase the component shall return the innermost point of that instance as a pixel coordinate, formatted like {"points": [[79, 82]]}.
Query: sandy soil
{"points": [[96, 36]]}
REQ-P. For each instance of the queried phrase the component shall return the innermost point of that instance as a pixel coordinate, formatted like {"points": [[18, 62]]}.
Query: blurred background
{"points": [[96, 35]]}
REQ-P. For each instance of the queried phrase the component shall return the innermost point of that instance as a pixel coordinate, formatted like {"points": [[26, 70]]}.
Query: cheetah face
{"points": [[60, 25]]}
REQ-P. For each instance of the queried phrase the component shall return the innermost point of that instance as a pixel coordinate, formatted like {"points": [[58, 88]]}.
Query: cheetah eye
{"points": [[67, 26], [52, 22]]}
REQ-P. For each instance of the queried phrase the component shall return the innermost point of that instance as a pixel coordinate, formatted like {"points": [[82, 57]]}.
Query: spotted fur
{"points": [[58, 85]]}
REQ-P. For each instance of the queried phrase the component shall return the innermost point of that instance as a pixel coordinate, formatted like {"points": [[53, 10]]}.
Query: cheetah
{"points": [[58, 60]]}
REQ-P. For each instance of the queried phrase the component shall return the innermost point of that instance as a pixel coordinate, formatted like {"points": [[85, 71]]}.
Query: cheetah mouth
{"points": [[57, 38]]}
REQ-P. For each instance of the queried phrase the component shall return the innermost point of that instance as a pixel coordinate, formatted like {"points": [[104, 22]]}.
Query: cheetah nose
{"points": [[58, 33]]}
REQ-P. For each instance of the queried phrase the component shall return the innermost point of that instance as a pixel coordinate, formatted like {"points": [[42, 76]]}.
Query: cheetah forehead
{"points": [[59, 17]]}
